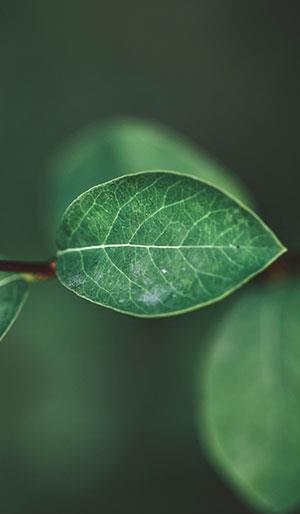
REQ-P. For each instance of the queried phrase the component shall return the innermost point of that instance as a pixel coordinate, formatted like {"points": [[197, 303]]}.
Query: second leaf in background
{"points": [[107, 150], [250, 419]]}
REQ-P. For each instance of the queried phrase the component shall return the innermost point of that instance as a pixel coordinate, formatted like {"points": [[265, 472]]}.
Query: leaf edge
{"points": [[18, 310]]}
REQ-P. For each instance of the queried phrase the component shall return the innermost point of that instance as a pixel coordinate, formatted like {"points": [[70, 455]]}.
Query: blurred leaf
{"points": [[252, 397], [13, 293], [160, 243], [107, 150]]}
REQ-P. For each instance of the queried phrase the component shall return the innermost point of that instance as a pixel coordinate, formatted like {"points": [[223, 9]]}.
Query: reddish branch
{"points": [[288, 264], [39, 270]]}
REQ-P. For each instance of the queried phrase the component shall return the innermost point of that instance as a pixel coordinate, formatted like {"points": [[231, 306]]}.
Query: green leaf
{"points": [[251, 417], [13, 293], [107, 150], [160, 243]]}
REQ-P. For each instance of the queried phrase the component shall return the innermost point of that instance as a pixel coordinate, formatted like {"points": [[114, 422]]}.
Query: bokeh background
{"points": [[97, 409]]}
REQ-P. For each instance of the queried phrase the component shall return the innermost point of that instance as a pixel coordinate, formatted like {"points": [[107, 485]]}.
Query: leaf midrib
{"points": [[163, 247]]}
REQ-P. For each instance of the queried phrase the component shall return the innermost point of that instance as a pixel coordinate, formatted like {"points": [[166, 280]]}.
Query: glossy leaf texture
{"points": [[119, 146], [251, 416], [160, 243], [13, 293]]}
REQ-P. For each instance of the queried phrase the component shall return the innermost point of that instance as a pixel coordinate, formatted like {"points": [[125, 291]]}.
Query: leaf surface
{"points": [[160, 243], [119, 146], [251, 416], [13, 293]]}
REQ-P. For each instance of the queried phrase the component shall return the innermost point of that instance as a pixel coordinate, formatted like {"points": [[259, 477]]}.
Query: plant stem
{"points": [[38, 270], [287, 265]]}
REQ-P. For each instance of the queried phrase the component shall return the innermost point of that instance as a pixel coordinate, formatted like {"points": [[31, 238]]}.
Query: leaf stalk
{"points": [[34, 270]]}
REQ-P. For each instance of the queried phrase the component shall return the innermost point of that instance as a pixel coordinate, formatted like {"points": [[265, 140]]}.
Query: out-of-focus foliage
{"points": [[251, 415], [116, 147]]}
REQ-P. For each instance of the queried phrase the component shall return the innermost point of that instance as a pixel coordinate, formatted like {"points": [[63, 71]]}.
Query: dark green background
{"points": [[96, 408]]}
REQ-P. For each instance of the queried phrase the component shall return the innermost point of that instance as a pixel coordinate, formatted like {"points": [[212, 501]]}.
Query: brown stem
{"points": [[39, 270], [288, 264]]}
